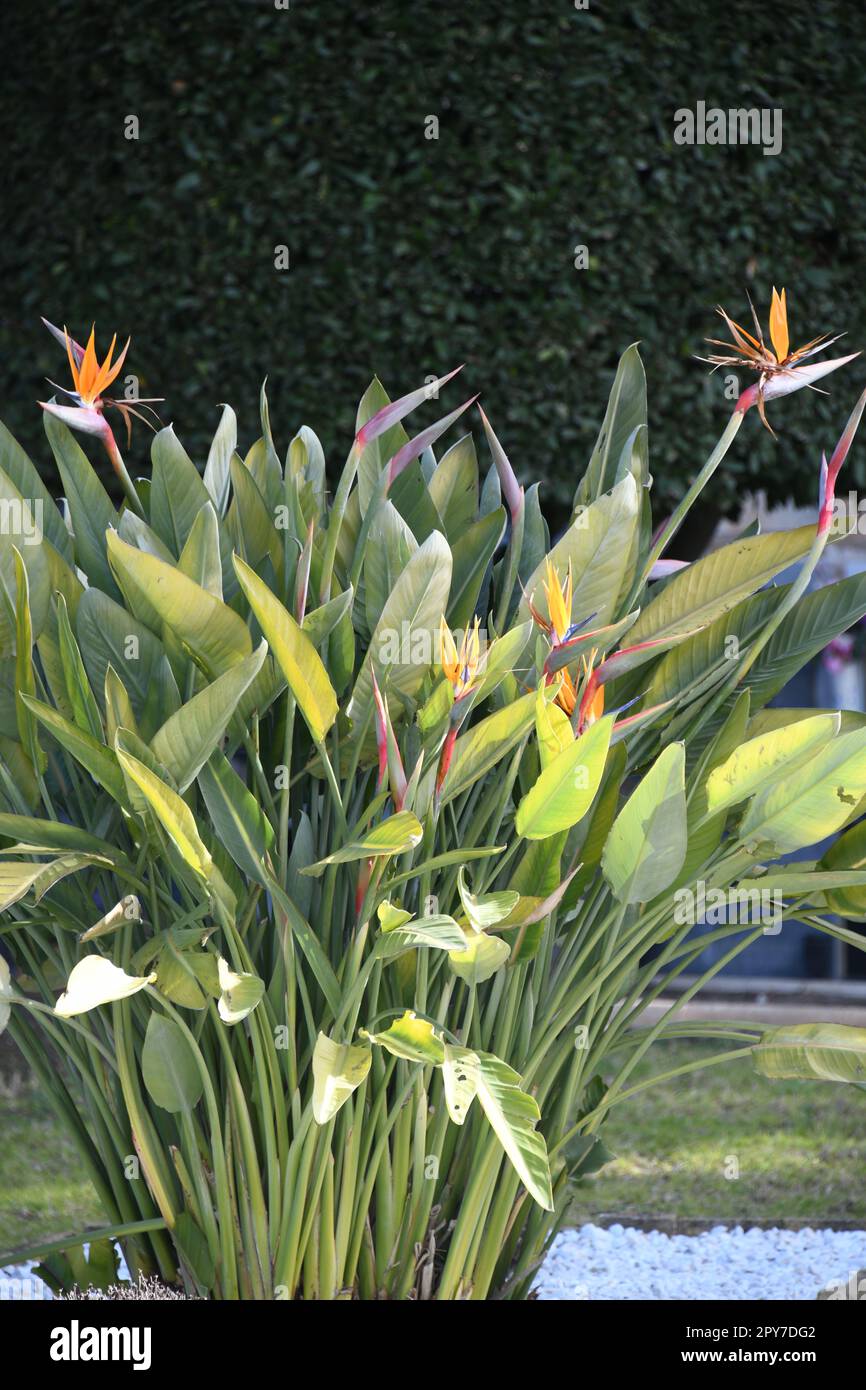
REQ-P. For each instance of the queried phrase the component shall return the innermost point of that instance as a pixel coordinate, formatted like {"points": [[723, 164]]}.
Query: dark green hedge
{"points": [[261, 126]]}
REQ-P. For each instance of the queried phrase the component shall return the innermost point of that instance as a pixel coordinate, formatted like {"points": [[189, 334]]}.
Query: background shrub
{"points": [[306, 127]]}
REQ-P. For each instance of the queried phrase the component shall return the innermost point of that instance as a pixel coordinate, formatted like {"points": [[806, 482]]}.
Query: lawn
{"points": [[726, 1144], [797, 1147]]}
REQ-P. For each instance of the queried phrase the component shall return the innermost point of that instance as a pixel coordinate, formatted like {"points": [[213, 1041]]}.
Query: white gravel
{"points": [[624, 1263]]}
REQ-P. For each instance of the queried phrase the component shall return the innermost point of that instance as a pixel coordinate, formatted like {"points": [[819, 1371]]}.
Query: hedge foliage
{"points": [[306, 127]]}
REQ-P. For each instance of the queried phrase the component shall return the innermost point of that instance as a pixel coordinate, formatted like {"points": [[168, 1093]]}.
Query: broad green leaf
{"points": [[565, 790], [460, 1075], [812, 1051], [513, 1116], [403, 644], [89, 505], [169, 1067], [486, 743], [472, 554], [85, 710], [439, 933], [454, 487], [763, 760], [99, 761], [597, 545], [241, 992], [110, 636], [338, 1070], [24, 476], [236, 816], [647, 844], [20, 537], [200, 557], [394, 835], [320, 622], [216, 472], [553, 727], [380, 450], [19, 879], [298, 659], [213, 633], [712, 586], [485, 910], [94, 981], [172, 813], [390, 546], [482, 957], [186, 740], [846, 853], [626, 412], [411, 1038], [177, 493], [52, 834], [812, 802]]}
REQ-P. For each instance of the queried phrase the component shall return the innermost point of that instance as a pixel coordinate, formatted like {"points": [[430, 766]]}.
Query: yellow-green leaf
{"points": [[338, 1070]]}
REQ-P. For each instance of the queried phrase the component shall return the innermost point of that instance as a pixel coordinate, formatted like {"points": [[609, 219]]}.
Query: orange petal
{"points": [[89, 368], [779, 325], [69, 353]]}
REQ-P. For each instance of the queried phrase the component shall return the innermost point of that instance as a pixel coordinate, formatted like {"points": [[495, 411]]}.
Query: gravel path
{"points": [[623, 1263]]}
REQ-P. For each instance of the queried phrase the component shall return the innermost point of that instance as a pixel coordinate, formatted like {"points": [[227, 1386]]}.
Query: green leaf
{"points": [[647, 844], [846, 853], [565, 790], [460, 1075], [238, 819], [24, 476], [485, 910], [439, 933], [169, 1067], [172, 813], [89, 505], [812, 1051], [18, 879], [714, 585], [597, 545], [177, 493], [763, 760], [186, 740], [213, 633], [513, 1116], [338, 1070], [110, 636], [481, 958], [394, 835], [298, 659], [486, 743], [241, 993], [626, 412], [472, 554], [812, 802], [411, 1038], [99, 761], [454, 487], [216, 472], [403, 643]]}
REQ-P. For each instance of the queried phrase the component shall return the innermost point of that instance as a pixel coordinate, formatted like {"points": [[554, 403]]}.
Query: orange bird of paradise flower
{"points": [[779, 369], [559, 630]]}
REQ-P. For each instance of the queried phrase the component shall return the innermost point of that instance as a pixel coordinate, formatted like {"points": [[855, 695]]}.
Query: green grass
{"points": [[799, 1147], [43, 1188]]}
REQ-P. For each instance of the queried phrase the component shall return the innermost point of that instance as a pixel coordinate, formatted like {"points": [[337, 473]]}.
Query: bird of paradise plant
{"points": [[344, 935]]}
